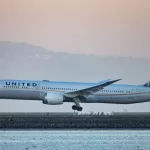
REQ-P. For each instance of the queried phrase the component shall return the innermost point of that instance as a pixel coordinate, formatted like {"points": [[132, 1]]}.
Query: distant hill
{"points": [[25, 61]]}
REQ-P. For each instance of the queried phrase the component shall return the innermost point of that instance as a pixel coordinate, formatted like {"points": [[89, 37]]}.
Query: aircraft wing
{"points": [[91, 90]]}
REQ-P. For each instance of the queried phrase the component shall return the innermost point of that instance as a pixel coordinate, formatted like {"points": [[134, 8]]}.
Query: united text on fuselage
{"points": [[55, 92]]}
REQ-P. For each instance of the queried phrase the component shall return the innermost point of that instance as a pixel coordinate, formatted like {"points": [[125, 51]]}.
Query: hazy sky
{"points": [[107, 27], [110, 27]]}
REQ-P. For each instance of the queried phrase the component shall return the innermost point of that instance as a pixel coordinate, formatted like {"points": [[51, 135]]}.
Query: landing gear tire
{"points": [[74, 107], [78, 108]]}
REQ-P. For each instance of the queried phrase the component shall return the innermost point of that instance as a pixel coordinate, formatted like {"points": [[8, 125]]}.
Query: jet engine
{"points": [[53, 98]]}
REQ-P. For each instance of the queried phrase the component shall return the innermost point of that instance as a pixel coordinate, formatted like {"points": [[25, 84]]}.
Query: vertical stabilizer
{"points": [[147, 84]]}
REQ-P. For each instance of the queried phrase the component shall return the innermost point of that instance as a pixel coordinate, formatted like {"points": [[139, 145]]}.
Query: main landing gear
{"points": [[78, 108], [77, 104]]}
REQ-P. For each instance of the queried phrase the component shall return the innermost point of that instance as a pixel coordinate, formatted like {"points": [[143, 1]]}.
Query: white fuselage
{"points": [[36, 90]]}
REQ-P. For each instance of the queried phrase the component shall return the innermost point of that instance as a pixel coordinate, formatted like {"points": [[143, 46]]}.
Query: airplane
{"points": [[56, 93]]}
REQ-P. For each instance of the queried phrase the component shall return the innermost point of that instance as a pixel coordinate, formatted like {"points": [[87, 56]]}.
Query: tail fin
{"points": [[147, 84]]}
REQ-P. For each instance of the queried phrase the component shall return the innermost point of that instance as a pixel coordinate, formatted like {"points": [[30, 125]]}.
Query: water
{"points": [[73, 140]]}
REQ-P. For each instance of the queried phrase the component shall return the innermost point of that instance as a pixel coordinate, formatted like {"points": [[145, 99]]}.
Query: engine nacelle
{"points": [[53, 98]]}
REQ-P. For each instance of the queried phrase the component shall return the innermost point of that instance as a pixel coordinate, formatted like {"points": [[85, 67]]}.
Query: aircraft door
{"points": [[133, 91], [37, 87], [138, 95], [138, 91]]}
